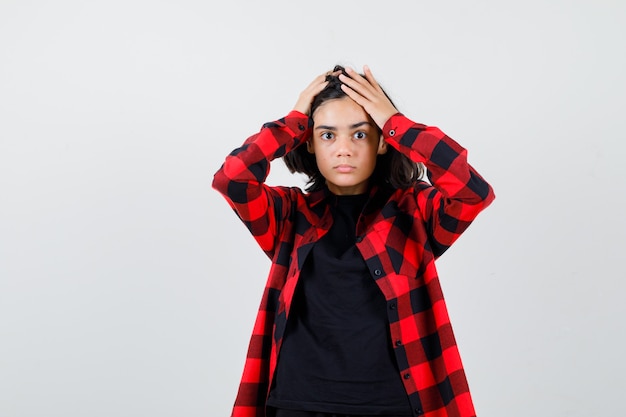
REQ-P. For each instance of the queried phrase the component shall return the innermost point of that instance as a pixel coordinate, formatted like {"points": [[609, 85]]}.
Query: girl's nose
{"points": [[344, 146]]}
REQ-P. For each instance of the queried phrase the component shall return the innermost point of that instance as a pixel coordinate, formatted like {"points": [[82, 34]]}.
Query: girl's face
{"points": [[345, 143]]}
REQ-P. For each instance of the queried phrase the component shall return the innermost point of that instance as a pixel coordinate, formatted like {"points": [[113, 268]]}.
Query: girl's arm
{"points": [[241, 178], [458, 193]]}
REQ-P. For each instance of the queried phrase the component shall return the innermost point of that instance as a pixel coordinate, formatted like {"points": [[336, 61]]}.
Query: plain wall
{"points": [[129, 288]]}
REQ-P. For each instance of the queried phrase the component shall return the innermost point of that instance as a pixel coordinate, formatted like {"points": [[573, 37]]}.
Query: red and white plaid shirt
{"points": [[400, 235]]}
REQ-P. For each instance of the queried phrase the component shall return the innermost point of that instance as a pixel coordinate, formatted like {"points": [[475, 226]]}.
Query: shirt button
{"points": [[392, 306], [418, 411], [398, 342], [407, 376], [377, 272], [359, 239], [300, 126], [392, 132]]}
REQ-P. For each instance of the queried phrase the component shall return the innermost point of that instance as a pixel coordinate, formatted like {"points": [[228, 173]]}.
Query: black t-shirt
{"points": [[336, 355]]}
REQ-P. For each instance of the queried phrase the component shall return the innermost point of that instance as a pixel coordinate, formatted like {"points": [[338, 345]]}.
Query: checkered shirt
{"points": [[400, 235]]}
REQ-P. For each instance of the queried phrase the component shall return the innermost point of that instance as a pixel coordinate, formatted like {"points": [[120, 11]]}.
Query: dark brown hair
{"points": [[392, 168]]}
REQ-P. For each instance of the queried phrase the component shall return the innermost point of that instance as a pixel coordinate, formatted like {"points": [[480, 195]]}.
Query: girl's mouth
{"points": [[344, 168]]}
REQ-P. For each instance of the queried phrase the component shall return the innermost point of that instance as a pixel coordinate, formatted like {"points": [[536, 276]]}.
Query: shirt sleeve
{"points": [[456, 193], [241, 178]]}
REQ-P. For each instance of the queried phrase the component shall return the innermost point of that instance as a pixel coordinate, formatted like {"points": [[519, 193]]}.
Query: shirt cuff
{"points": [[298, 122]]}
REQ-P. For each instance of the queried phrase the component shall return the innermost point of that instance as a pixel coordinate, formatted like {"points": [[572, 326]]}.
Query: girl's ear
{"points": [[382, 146], [309, 146]]}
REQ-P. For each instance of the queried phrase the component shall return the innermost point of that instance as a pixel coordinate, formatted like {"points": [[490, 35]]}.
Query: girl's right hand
{"points": [[303, 105]]}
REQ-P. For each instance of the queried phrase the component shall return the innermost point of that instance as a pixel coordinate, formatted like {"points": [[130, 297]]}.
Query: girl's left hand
{"points": [[368, 94]]}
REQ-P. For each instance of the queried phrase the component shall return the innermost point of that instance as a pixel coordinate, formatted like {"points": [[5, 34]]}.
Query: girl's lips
{"points": [[344, 168]]}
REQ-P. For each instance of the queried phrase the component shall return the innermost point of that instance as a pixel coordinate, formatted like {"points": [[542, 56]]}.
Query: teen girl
{"points": [[353, 321]]}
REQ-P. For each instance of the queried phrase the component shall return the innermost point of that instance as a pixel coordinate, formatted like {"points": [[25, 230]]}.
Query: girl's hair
{"points": [[392, 168]]}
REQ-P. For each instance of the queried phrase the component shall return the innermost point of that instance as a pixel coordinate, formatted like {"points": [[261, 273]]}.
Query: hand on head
{"points": [[368, 94], [303, 105]]}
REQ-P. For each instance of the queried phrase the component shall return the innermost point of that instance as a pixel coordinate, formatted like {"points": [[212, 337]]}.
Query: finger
{"points": [[359, 84], [357, 97], [317, 84], [319, 87], [318, 80], [355, 78], [371, 79], [354, 86], [321, 81], [365, 79]]}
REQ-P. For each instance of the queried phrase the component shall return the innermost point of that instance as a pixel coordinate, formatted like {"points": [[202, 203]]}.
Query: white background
{"points": [[129, 288]]}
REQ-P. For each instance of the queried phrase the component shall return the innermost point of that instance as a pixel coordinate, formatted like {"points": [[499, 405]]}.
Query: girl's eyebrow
{"points": [[354, 126]]}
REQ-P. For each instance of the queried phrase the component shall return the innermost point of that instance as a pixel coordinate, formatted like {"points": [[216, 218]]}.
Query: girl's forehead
{"points": [[340, 111]]}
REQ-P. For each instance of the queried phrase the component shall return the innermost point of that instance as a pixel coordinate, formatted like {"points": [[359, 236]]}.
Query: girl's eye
{"points": [[360, 135], [327, 136]]}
